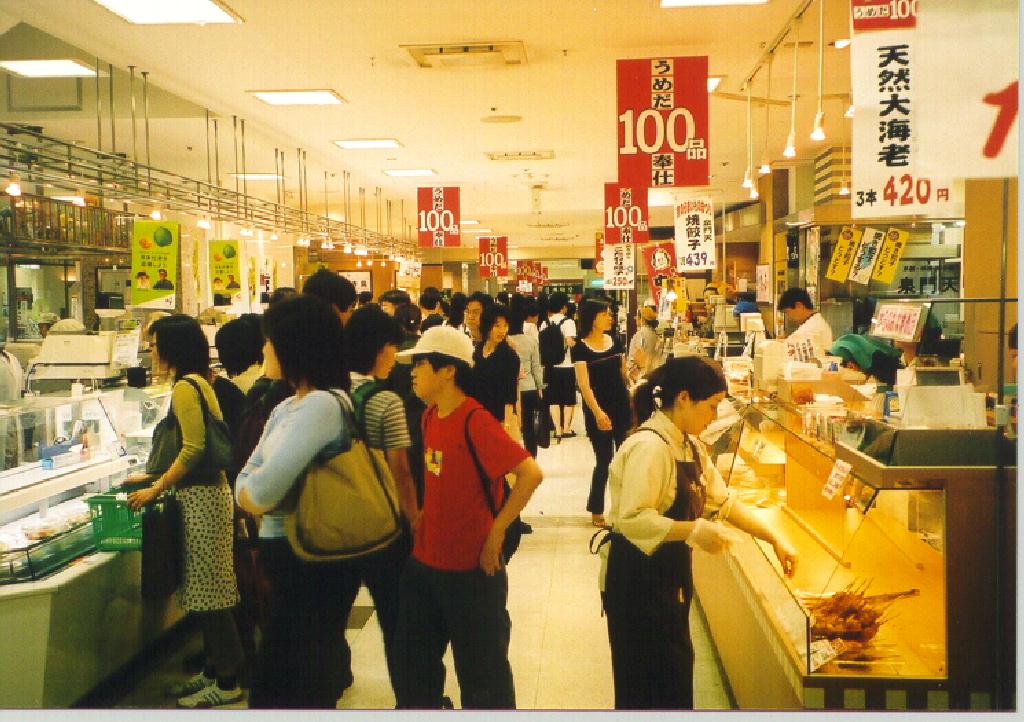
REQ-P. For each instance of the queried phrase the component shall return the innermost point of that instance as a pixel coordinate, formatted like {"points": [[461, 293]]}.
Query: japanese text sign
{"points": [[438, 217], [663, 127], [493, 256], [968, 90], [154, 263], [660, 263], [599, 253], [764, 283], [866, 255], [883, 14], [842, 254], [695, 235], [619, 267], [885, 178], [625, 214], [898, 321], [225, 273], [840, 473], [890, 254]]}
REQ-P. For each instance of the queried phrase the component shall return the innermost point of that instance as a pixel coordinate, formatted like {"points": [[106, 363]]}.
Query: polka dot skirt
{"points": [[209, 580]]}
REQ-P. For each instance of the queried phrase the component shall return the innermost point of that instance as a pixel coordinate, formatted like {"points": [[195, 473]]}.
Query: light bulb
{"points": [[765, 169], [359, 263], [347, 248], [156, 215], [849, 111], [246, 232], [790, 150], [818, 134], [369, 263], [747, 183], [205, 224], [13, 187], [273, 236], [844, 190], [754, 195]]}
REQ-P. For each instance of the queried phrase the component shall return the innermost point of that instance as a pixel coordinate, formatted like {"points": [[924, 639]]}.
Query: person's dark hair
{"points": [[445, 307], [331, 287], [700, 377], [746, 296], [239, 345], [570, 310], [480, 297], [396, 296], [1012, 338], [306, 334], [463, 371], [791, 296], [408, 317], [557, 301], [457, 310], [431, 321], [490, 316], [364, 298], [430, 298], [516, 319], [182, 345], [366, 333], [502, 298], [281, 293], [589, 308]]}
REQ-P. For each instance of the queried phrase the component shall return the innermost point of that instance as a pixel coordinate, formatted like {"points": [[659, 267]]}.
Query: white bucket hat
{"points": [[443, 340]]}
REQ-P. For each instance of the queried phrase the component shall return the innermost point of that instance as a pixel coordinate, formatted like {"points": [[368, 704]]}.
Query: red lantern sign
{"points": [[625, 214], [438, 218], [493, 256]]}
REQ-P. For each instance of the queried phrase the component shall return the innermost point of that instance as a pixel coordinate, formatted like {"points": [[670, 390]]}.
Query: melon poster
{"points": [[225, 273], [155, 263]]}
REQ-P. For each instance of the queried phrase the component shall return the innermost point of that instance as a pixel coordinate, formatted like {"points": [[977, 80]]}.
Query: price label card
{"points": [[695, 235], [836, 479], [126, 349], [824, 651]]}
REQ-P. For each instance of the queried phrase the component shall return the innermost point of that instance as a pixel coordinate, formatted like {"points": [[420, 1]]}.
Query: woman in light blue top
{"points": [[303, 661]]}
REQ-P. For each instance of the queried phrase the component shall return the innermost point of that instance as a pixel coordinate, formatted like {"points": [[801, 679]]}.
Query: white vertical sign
{"points": [[867, 255], [695, 235], [619, 267]]}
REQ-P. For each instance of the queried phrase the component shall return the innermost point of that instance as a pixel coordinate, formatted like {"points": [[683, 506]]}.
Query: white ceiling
{"points": [[565, 93]]}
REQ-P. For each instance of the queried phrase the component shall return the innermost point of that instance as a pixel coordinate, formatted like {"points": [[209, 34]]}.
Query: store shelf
{"points": [[36, 484]]}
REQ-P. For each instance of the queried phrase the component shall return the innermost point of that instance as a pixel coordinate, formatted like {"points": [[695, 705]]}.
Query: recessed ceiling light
{"points": [[367, 143], [256, 176], [714, 81], [164, 12], [298, 97], [469, 223], [408, 172], [705, 3], [48, 68], [842, 43], [478, 230], [501, 119]]}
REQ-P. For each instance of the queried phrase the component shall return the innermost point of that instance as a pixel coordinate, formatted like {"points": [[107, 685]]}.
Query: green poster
{"points": [[225, 277], [154, 263]]}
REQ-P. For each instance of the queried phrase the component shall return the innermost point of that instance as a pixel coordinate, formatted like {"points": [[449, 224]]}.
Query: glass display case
{"points": [[875, 514]]}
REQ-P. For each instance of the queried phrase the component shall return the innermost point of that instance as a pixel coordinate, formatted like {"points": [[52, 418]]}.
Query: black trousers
{"points": [[530, 400], [466, 609], [220, 641], [303, 661], [604, 444]]}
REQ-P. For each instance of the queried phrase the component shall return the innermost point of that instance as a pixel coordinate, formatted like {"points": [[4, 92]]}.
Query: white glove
{"points": [[711, 536]]}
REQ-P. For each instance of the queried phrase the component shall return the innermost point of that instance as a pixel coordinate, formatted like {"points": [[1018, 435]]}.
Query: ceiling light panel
{"points": [[706, 3], [367, 143], [408, 172], [520, 155], [48, 68], [172, 12], [298, 97], [714, 81]]}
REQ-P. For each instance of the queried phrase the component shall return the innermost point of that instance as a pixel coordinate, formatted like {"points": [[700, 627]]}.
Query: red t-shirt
{"points": [[456, 518]]}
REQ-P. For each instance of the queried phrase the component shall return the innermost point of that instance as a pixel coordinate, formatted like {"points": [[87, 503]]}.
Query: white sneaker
{"points": [[189, 686], [212, 696]]}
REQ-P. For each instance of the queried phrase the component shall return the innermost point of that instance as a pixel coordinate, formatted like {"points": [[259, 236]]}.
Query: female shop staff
{"points": [[664, 488]]}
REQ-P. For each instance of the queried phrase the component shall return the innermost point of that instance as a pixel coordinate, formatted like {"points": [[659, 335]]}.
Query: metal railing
{"points": [[35, 220]]}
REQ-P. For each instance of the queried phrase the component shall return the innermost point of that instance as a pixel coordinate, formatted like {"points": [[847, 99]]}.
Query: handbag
{"points": [[162, 548], [167, 441], [514, 532], [347, 506]]}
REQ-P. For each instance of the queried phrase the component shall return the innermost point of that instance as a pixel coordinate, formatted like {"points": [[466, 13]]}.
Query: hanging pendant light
{"points": [[818, 133], [790, 149], [13, 187], [747, 180], [766, 168]]}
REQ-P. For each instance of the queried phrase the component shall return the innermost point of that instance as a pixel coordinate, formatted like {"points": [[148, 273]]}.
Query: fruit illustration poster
{"points": [[225, 273], [154, 263]]}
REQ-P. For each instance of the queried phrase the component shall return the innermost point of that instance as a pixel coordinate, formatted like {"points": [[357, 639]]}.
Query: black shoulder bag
{"points": [[514, 533]]}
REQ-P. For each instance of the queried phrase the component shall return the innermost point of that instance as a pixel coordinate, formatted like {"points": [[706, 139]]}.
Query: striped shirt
{"points": [[385, 418]]}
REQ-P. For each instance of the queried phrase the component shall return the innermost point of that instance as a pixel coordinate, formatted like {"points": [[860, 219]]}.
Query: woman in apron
{"points": [[663, 486]]}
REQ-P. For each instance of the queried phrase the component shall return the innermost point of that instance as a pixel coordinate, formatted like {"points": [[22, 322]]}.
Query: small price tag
{"points": [[824, 651], [836, 479]]}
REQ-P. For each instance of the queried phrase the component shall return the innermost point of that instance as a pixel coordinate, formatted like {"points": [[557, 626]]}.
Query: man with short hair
{"points": [[335, 289], [391, 300], [560, 394], [454, 588], [475, 307], [430, 304], [799, 309]]}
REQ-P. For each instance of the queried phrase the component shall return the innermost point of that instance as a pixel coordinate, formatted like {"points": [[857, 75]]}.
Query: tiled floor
{"points": [[559, 650]]}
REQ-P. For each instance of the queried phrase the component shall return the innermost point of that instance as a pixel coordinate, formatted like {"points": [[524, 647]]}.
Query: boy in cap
{"points": [[454, 587]]}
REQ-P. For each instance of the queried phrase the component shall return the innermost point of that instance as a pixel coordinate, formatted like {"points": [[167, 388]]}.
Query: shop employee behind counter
{"points": [[797, 305]]}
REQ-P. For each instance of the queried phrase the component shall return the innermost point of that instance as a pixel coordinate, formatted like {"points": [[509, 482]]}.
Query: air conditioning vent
{"points": [[523, 155], [462, 55]]}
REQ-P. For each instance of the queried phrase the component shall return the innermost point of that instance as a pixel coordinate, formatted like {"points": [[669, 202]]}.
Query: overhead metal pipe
{"points": [[145, 112], [216, 150], [113, 128], [135, 138], [245, 178], [209, 166], [99, 110]]}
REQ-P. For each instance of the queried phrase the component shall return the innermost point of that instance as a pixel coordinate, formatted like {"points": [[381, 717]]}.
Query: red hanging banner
{"points": [[883, 14], [493, 259], [438, 217], [660, 262], [663, 127], [625, 214], [599, 253]]}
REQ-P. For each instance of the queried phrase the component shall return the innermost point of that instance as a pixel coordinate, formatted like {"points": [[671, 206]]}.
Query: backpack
{"points": [[347, 505], [361, 397], [552, 344]]}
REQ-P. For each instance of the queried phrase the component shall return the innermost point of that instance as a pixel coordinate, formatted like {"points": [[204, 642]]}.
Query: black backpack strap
{"points": [[481, 471], [207, 414]]}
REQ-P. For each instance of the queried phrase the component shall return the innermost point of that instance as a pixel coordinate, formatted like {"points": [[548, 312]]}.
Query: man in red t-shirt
{"points": [[454, 587]]}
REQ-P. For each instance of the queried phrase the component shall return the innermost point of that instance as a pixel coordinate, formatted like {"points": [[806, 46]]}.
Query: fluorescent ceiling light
{"points": [[478, 230], [171, 12], [48, 68], [841, 43], [713, 82], [408, 172], [256, 176], [705, 3], [367, 143], [466, 222], [75, 200], [298, 97]]}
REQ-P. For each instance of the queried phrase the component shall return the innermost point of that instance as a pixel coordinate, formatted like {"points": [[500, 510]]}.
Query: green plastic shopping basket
{"points": [[115, 525]]}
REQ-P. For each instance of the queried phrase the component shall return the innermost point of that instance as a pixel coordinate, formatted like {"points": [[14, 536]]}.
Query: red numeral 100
{"points": [[909, 191]]}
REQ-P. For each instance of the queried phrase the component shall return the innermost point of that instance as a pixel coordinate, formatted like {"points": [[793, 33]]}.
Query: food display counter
{"points": [[893, 604], [71, 616]]}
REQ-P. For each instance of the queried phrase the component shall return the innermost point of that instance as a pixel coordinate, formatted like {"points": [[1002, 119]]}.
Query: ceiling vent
{"points": [[468, 55], [523, 155]]}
